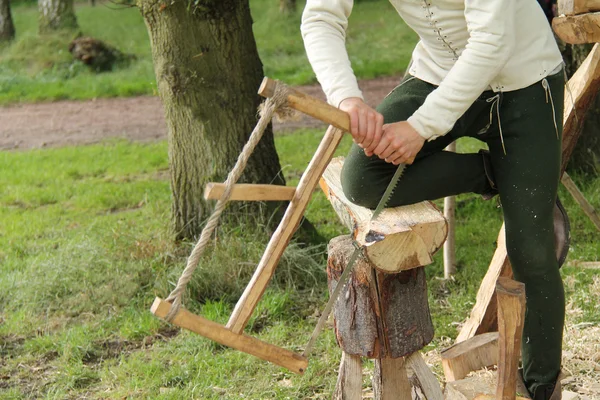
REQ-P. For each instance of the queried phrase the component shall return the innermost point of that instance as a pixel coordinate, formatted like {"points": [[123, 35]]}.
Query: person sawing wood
{"points": [[488, 69]]}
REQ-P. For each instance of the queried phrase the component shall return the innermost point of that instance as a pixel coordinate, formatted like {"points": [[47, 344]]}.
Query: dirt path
{"points": [[64, 123]]}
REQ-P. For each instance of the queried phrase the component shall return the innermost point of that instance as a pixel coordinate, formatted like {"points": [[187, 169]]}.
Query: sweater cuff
{"points": [[424, 127]]}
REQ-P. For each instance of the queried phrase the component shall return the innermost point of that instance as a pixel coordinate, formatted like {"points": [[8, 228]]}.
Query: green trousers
{"points": [[523, 130]]}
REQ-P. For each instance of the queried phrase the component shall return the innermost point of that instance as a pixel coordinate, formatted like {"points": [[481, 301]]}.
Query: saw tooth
{"points": [[389, 191]]}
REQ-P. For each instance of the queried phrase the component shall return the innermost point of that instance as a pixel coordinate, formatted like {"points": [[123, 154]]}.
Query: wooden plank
{"points": [[250, 192], [449, 244], [473, 354], [349, 382], [218, 333], [307, 104], [585, 205], [280, 239], [578, 29], [573, 7], [483, 314], [406, 237], [511, 316], [579, 97], [390, 381], [427, 380], [579, 94]]}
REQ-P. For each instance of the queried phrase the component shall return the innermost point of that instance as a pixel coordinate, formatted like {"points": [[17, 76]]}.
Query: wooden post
{"points": [[449, 245], [349, 383], [511, 315], [585, 205], [390, 381]]}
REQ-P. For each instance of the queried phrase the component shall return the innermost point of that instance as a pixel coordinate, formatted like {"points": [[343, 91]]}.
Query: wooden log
{"points": [[378, 315], [427, 380], [574, 7], [218, 333], [307, 104], [390, 381], [585, 205], [582, 89], [407, 237], [247, 303], [250, 192], [349, 383], [578, 29], [511, 316], [471, 355], [449, 244]]}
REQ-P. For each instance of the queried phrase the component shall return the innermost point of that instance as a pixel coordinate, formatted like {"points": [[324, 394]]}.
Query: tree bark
{"points": [[586, 156], [378, 315], [208, 72], [7, 28], [56, 15], [287, 6]]}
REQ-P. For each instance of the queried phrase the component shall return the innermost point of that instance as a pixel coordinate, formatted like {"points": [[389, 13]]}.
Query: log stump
{"points": [[380, 316]]}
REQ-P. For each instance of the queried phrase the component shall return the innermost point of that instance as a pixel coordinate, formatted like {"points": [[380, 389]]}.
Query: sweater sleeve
{"points": [[490, 45], [323, 28]]}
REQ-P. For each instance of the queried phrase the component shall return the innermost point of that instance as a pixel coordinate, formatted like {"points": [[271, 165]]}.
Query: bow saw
{"points": [[232, 334]]}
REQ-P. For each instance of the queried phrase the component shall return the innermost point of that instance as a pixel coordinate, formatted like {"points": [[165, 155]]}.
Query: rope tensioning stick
{"points": [[268, 109]]}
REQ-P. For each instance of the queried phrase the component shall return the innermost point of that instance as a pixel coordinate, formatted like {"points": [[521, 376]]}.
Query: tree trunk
{"points": [[7, 28], [56, 15], [208, 72], [586, 156], [287, 6]]}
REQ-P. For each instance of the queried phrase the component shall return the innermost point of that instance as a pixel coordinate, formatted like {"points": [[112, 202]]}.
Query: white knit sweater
{"points": [[466, 47]]}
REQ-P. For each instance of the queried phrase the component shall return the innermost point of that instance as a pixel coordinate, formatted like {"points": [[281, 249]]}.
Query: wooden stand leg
{"points": [[427, 380], [390, 381], [511, 313], [585, 205], [349, 383]]}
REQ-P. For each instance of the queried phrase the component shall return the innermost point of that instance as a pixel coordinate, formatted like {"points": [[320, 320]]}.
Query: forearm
{"points": [[324, 24]]}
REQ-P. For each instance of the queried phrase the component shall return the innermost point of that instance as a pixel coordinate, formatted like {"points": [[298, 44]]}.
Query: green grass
{"points": [[85, 248], [36, 68]]}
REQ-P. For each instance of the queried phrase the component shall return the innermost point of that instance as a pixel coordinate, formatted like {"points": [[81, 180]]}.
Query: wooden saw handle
{"points": [[308, 105]]}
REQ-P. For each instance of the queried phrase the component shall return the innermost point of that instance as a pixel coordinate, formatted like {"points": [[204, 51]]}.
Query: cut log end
{"points": [[267, 87]]}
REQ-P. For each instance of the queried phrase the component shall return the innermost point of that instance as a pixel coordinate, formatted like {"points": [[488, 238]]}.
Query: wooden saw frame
{"points": [[232, 334]]}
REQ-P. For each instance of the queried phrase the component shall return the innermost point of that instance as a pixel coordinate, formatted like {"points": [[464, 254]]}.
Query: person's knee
{"points": [[531, 262], [361, 193]]}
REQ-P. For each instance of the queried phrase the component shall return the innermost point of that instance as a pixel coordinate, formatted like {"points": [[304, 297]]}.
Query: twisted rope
{"points": [[267, 110]]}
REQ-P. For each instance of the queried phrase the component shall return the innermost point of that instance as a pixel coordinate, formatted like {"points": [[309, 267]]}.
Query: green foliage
{"points": [[37, 68]]}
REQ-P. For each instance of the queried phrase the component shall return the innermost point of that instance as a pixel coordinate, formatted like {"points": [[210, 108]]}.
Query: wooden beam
{"points": [[250, 192], [218, 333], [390, 381], [581, 91], [280, 239], [578, 29], [483, 315], [427, 380], [579, 97], [349, 382], [406, 237], [307, 104], [585, 205], [511, 316], [574, 7], [471, 355]]}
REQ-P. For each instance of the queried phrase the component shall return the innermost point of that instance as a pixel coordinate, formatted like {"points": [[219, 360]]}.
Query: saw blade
{"points": [[343, 280]]}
